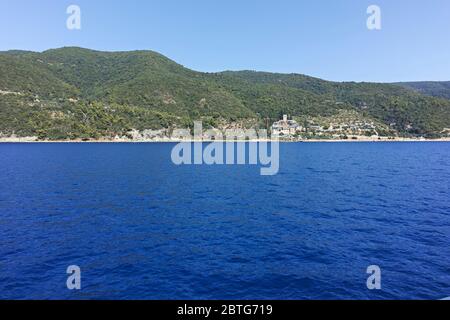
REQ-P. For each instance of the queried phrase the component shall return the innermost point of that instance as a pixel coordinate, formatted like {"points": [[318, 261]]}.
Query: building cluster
{"points": [[286, 127], [290, 128]]}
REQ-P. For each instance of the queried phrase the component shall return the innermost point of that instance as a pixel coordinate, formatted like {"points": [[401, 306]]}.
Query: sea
{"points": [[138, 226]]}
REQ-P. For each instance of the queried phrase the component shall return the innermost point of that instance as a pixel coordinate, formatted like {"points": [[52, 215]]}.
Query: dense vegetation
{"points": [[431, 88], [72, 93]]}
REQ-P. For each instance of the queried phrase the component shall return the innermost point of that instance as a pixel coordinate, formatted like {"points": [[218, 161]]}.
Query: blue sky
{"points": [[323, 38]]}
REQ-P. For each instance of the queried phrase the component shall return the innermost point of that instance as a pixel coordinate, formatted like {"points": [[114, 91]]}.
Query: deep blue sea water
{"points": [[140, 227]]}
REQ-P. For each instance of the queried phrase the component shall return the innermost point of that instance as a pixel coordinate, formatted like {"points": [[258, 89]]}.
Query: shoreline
{"points": [[30, 140]]}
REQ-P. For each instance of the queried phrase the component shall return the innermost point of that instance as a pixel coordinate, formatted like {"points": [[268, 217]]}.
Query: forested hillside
{"points": [[431, 88], [73, 93]]}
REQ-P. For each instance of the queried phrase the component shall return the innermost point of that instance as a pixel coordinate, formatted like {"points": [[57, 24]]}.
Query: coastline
{"points": [[33, 140]]}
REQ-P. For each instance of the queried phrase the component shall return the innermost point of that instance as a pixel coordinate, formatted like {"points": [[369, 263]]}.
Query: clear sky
{"points": [[323, 38]]}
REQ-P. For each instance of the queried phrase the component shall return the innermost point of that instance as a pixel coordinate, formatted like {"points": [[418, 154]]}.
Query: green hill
{"points": [[73, 93], [432, 88]]}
